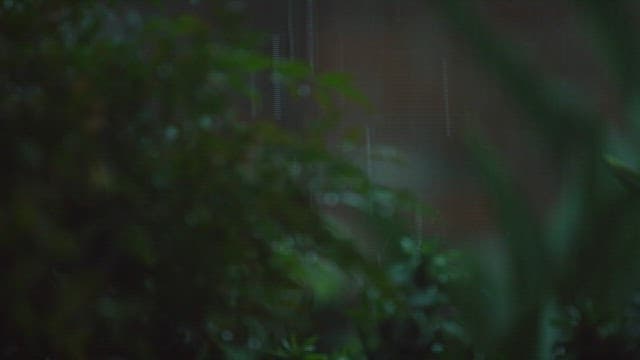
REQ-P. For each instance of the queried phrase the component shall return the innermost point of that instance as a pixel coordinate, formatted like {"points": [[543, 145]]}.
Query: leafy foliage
{"points": [[142, 217], [567, 283]]}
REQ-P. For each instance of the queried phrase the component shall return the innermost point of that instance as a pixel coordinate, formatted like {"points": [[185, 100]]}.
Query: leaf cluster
{"points": [[143, 217]]}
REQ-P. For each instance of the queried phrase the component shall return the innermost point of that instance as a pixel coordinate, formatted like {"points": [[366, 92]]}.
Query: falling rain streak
{"points": [[276, 56], [311, 54], [419, 226], [368, 140], [445, 95], [311, 34], [253, 96], [340, 52], [341, 63], [290, 31]]}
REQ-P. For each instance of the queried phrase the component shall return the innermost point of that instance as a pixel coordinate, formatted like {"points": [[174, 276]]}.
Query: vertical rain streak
{"points": [[445, 96], [376, 64], [291, 30], [276, 99], [311, 34], [419, 226], [340, 52], [253, 97], [368, 154], [342, 101]]}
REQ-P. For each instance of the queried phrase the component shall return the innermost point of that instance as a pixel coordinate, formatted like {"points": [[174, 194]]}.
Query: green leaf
{"points": [[629, 177]]}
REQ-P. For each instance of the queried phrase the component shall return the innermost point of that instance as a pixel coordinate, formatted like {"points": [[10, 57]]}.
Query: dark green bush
{"points": [[142, 217]]}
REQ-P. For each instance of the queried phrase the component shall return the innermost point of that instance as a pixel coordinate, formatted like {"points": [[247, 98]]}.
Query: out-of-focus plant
{"points": [[565, 286], [142, 217]]}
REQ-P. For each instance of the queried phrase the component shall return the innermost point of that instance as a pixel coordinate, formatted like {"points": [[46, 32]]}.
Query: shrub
{"points": [[142, 217]]}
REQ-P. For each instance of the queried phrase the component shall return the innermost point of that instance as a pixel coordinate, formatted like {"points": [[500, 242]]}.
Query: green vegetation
{"points": [[568, 285], [142, 217]]}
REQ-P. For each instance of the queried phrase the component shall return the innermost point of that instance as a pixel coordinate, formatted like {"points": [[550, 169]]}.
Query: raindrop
{"points": [[253, 97], [311, 34], [276, 78], [419, 226], [445, 95], [368, 144], [377, 87], [341, 63], [290, 30], [340, 52]]}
